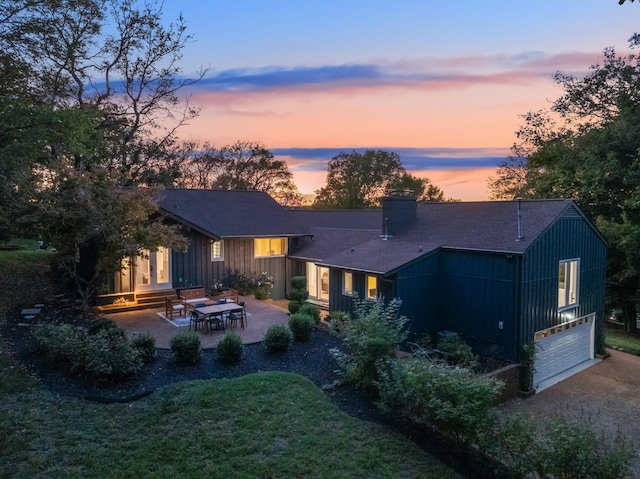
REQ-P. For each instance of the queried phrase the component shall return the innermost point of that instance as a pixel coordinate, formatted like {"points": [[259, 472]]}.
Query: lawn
{"points": [[622, 341], [267, 425]]}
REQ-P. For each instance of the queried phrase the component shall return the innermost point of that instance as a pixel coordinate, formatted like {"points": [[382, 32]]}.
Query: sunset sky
{"points": [[440, 83]]}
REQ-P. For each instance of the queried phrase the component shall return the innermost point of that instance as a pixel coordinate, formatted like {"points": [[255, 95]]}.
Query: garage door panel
{"points": [[563, 347]]}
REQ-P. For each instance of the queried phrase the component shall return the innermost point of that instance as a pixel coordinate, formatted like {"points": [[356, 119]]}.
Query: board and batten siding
{"points": [[477, 295], [195, 268], [570, 237]]}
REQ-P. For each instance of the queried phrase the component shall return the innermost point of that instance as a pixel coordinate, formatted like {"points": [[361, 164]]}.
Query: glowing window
{"points": [[269, 247], [568, 276]]}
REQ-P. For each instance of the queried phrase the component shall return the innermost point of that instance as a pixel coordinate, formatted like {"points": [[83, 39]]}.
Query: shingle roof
{"points": [[482, 226], [230, 213]]}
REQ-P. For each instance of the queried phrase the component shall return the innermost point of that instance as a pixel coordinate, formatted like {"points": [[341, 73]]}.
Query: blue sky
{"points": [[440, 83]]}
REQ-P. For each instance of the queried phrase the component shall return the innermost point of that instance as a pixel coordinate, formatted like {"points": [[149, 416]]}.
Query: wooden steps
{"points": [[143, 300]]}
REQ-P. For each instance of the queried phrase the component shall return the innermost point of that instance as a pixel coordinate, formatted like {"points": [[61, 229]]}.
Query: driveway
{"points": [[607, 393]]}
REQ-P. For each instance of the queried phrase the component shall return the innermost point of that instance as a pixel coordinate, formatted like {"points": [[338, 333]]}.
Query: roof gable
{"points": [[230, 213]]}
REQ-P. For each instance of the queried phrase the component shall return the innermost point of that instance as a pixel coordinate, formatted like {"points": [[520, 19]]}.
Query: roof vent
{"points": [[520, 235], [352, 249]]}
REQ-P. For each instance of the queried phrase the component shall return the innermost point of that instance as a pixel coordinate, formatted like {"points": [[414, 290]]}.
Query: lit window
{"points": [[372, 287], [269, 247], [217, 251], [568, 276], [347, 283]]}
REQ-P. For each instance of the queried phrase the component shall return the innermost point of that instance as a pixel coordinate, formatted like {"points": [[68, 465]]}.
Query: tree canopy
{"points": [[244, 165], [586, 147], [359, 180]]}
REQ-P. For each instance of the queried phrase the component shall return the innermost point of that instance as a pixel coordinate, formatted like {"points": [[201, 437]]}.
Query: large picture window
{"points": [[217, 251], [568, 278], [347, 283], [269, 247]]}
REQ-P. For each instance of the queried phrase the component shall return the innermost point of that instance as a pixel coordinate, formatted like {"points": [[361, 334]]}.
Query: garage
{"points": [[563, 350]]}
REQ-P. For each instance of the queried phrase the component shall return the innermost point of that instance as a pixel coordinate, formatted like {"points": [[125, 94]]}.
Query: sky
{"points": [[441, 83]]}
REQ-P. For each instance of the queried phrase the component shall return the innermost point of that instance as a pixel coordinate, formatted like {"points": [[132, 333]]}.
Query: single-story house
{"points": [[503, 274]]}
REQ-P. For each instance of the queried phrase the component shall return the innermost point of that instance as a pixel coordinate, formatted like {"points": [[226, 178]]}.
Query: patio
{"points": [[260, 316]]}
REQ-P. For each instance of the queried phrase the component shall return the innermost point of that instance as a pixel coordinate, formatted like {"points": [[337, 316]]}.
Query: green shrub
{"points": [[566, 448], [60, 343], [185, 347], [456, 351], [299, 282], [108, 355], [451, 398], [146, 346], [99, 323], [298, 294], [337, 320], [230, 349], [374, 334], [294, 307], [278, 338], [311, 310], [301, 326]]}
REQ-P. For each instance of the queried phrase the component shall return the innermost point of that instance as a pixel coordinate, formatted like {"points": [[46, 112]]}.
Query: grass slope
{"points": [[268, 425]]}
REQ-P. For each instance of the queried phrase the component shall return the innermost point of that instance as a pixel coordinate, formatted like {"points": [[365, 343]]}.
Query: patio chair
{"points": [[174, 307], [237, 315], [215, 321], [198, 320]]}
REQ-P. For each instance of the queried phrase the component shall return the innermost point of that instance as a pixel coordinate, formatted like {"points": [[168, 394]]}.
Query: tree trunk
{"points": [[630, 320]]}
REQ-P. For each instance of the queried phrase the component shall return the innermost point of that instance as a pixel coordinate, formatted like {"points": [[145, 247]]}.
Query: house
{"points": [[502, 274]]}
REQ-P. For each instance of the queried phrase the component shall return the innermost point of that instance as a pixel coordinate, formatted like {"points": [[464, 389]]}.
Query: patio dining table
{"points": [[220, 309]]}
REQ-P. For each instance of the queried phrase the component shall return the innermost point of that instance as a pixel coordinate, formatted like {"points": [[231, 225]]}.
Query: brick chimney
{"points": [[399, 209]]}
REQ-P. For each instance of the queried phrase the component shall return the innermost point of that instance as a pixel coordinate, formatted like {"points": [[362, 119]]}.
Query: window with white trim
{"points": [[568, 278], [264, 247], [372, 287], [217, 251], [347, 283]]}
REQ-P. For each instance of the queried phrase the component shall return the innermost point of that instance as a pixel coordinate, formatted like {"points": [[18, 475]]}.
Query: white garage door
{"points": [[563, 347]]}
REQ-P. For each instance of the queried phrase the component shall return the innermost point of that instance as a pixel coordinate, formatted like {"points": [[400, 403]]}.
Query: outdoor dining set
{"points": [[208, 314]]}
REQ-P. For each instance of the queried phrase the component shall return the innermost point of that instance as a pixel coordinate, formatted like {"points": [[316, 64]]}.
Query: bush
{"points": [[311, 310], [374, 334], [298, 294], [301, 326], [453, 399], [186, 347], [108, 355], [456, 351], [566, 448], [60, 343], [100, 323], [294, 307], [146, 346], [230, 349], [337, 320], [278, 338], [299, 282]]}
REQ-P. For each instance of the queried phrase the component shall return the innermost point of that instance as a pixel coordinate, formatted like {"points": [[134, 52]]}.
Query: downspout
{"points": [[518, 307]]}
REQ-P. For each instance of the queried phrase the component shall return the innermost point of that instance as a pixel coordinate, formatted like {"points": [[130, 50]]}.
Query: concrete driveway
{"points": [[607, 394]]}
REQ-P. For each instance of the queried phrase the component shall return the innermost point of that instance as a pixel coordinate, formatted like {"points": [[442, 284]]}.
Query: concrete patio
{"points": [[261, 315]]}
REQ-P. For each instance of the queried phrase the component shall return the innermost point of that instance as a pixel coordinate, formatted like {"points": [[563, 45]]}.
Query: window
{"points": [[217, 251], [347, 283], [269, 247], [372, 287], [568, 276]]}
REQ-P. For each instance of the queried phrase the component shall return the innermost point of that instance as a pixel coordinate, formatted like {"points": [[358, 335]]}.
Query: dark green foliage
{"points": [[374, 334], [299, 282], [146, 346], [108, 355], [561, 448], [298, 294], [100, 323], [453, 399], [58, 342], [230, 349], [301, 326], [337, 320], [456, 351], [185, 347], [277, 339], [311, 310]]}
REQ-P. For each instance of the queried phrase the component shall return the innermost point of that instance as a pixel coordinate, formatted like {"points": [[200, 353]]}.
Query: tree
{"points": [[359, 180], [244, 165], [586, 147], [422, 188]]}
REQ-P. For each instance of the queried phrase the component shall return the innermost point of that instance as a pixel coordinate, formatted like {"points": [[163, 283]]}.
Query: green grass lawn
{"points": [[268, 425], [622, 341]]}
